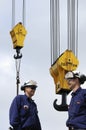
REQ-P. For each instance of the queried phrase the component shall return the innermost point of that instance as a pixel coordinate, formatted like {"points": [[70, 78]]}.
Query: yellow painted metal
{"points": [[66, 62], [18, 34]]}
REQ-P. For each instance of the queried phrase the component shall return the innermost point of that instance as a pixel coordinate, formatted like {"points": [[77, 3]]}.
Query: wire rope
{"points": [[13, 13]]}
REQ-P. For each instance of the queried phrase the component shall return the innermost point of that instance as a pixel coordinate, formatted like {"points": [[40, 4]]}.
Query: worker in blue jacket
{"points": [[77, 107], [23, 112]]}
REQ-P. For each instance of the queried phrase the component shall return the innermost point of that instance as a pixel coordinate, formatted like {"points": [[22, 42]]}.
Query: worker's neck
{"points": [[28, 95], [76, 88]]}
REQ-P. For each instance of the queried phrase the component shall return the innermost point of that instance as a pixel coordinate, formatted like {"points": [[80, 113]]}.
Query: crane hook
{"points": [[18, 55], [63, 106]]}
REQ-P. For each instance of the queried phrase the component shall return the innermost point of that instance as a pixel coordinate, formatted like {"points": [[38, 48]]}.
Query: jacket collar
{"points": [[76, 92], [29, 99]]}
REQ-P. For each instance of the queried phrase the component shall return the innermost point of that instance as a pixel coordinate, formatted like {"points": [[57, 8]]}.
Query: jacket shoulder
{"points": [[84, 91], [18, 99]]}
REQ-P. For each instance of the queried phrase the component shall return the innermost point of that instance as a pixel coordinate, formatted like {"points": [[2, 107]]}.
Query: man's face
{"points": [[30, 91], [71, 83]]}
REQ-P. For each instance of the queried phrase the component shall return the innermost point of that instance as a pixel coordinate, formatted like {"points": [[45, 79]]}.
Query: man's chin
{"points": [[32, 94], [71, 87]]}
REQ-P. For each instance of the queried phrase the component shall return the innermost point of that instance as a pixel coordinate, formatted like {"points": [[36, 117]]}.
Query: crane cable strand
{"points": [[77, 31], [23, 12], [51, 30], [17, 63], [58, 29], [13, 13], [71, 46], [68, 23], [54, 30]]}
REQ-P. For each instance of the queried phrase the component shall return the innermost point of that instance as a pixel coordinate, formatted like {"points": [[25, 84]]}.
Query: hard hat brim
{"points": [[72, 75], [69, 75], [29, 86]]}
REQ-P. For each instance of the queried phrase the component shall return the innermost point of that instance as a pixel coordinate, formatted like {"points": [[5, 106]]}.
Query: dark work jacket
{"points": [[77, 109], [23, 113]]}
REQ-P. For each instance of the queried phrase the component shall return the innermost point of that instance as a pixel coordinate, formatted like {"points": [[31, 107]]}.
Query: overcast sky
{"points": [[35, 62]]}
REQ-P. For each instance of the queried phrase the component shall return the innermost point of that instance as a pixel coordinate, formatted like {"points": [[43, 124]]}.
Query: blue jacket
{"points": [[77, 109], [23, 113]]}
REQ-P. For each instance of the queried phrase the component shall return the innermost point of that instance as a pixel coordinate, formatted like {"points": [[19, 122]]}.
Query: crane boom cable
{"points": [[68, 23], [71, 21], [55, 33], [51, 30], [54, 30], [72, 25], [77, 29], [58, 29], [54, 43], [24, 12], [17, 63], [13, 13]]}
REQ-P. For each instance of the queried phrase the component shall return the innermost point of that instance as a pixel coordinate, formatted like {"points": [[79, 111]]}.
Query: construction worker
{"points": [[23, 112], [77, 107]]}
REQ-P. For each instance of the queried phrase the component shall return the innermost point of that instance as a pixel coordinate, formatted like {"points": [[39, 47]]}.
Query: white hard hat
{"points": [[72, 75], [29, 84]]}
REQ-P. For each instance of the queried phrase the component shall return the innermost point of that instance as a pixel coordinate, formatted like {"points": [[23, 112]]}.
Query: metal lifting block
{"points": [[18, 34], [66, 62]]}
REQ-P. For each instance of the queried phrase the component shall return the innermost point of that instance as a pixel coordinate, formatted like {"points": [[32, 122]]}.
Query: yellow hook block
{"points": [[66, 62], [18, 34]]}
